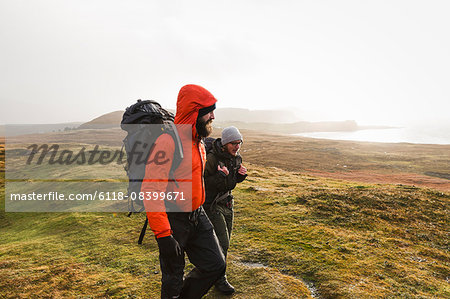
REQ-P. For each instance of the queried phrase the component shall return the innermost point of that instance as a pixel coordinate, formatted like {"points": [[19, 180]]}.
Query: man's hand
{"points": [[242, 170], [224, 169], [169, 247]]}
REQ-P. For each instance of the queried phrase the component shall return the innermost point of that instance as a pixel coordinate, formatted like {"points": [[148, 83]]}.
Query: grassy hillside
{"points": [[351, 240], [293, 231]]}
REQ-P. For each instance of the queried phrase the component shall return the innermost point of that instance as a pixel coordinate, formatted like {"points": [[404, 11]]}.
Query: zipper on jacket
{"points": [[202, 173]]}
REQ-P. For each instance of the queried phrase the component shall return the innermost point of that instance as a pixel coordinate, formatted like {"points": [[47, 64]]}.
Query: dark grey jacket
{"points": [[216, 181]]}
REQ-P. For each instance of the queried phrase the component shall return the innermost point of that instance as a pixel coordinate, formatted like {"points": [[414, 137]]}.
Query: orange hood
{"points": [[191, 99]]}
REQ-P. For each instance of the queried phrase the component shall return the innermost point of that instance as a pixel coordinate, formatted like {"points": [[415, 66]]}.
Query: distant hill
{"points": [[279, 121], [104, 121], [255, 116], [113, 119], [296, 127]]}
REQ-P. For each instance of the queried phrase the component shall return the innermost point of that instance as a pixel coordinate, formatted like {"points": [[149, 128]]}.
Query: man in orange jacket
{"points": [[188, 229]]}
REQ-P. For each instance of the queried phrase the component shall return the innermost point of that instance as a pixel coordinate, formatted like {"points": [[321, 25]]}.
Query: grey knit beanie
{"points": [[230, 134]]}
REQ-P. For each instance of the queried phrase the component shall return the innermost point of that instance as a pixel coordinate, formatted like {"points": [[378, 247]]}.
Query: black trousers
{"points": [[195, 234]]}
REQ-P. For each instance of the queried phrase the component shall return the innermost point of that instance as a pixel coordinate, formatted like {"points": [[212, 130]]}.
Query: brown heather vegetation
{"points": [[426, 165], [377, 228]]}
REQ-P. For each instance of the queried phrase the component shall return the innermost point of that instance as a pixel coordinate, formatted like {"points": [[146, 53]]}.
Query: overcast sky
{"points": [[377, 62]]}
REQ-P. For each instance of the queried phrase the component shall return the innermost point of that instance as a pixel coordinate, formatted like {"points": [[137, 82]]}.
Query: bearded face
{"points": [[204, 126]]}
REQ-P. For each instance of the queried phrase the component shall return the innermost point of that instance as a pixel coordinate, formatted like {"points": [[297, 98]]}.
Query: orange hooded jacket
{"points": [[191, 99]]}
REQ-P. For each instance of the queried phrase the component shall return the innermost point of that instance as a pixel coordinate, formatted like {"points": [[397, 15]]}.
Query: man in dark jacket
{"points": [[223, 171]]}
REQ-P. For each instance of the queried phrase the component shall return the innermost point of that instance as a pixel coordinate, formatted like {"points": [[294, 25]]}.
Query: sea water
{"points": [[436, 135]]}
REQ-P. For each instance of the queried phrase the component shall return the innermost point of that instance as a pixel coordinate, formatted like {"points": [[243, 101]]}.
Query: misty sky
{"points": [[377, 62]]}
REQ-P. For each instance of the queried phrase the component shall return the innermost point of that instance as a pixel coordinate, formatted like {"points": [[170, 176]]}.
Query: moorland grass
{"points": [[347, 240], [350, 240]]}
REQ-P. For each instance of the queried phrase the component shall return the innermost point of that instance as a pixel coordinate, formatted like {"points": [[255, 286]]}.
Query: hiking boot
{"points": [[224, 286]]}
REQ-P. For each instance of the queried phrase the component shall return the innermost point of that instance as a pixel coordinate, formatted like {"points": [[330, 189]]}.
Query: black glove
{"points": [[169, 247]]}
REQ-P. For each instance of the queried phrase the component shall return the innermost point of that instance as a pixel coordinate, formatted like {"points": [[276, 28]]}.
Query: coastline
{"points": [[384, 135]]}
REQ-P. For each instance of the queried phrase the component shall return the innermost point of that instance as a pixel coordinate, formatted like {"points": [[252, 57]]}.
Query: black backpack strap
{"points": [[177, 139], [144, 228], [178, 153]]}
